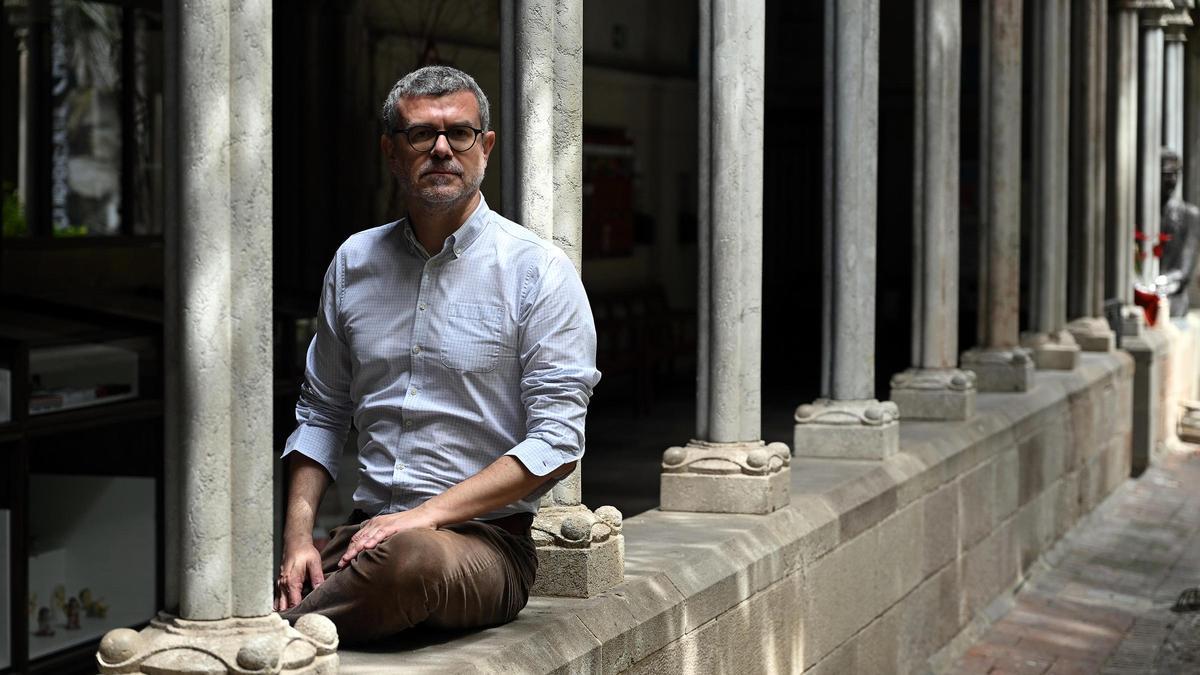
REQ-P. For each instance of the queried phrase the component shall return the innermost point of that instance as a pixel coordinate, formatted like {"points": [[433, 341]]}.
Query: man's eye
{"points": [[419, 134], [461, 133]]}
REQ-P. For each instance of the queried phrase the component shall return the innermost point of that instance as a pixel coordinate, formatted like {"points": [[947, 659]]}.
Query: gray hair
{"points": [[433, 81]]}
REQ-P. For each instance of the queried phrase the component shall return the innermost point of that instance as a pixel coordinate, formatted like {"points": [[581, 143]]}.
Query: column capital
{"points": [[1153, 13], [23, 15], [1140, 5], [1176, 25]]}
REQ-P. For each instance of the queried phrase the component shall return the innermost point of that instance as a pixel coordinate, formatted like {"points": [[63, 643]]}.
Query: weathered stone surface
{"points": [[1089, 120], [988, 568], [1007, 484], [934, 394], [977, 504], [1048, 183], [851, 160], [930, 617], [1000, 195], [1052, 351], [1093, 334], [580, 572], [1147, 351], [860, 429], [932, 389], [1000, 369], [940, 529], [748, 477], [265, 644]]}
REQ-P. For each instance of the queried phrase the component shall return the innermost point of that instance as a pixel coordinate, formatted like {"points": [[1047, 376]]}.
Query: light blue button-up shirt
{"points": [[447, 362]]}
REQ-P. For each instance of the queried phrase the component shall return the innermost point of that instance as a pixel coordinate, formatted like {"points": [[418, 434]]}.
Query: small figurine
{"points": [[73, 614], [92, 608], [99, 609], [43, 619]]}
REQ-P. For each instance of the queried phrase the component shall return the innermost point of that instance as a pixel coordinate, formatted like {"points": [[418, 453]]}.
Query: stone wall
{"points": [[876, 566], [890, 597]]}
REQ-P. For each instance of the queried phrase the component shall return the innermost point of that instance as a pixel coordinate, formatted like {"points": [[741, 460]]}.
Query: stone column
{"points": [[848, 421], [1191, 141], [1053, 346], [28, 20], [580, 553], [1122, 162], [934, 388], [1175, 28], [1150, 136], [1089, 56], [727, 468], [220, 316], [998, 362]]}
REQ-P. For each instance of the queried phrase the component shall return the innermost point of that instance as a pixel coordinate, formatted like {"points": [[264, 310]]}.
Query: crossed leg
{"points": [[463, 576]]}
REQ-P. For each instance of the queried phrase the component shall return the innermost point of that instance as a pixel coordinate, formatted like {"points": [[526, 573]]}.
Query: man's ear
{"points": [[489, 141]]}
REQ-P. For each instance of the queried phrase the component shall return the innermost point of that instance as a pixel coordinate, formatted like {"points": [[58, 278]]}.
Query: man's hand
{"points": [[379, 528], [301, 562]]}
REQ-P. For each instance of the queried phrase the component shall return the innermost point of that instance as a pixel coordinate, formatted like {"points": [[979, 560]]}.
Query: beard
{"points": [[436, 190]]}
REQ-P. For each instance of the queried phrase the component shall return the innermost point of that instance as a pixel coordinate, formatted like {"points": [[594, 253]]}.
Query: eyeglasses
{"points": [[422, 138]]}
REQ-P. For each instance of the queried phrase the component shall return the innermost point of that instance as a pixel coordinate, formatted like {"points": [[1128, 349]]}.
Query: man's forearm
{"points": [[499, 484], [308, 481]]}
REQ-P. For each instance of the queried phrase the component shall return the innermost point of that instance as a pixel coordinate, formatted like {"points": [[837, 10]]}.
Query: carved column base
{"points": [[1052, 351], [1093, 334], [260, 645], [1188, 427], [934, 393], [1133, 321], [750, 477], [580, 554], [1000, 370], [857, 429]]}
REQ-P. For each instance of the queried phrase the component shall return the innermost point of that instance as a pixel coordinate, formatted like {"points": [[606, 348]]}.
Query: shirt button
{"points": [[457, 250], [421, 307], [412, 391], [408, 424], [416, 349]]}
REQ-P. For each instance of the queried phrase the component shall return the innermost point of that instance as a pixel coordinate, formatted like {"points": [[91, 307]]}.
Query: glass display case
{"points": [[80, 483], [91, 558]]}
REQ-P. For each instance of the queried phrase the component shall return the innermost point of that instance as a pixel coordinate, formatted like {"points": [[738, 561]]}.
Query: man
{"points": [[1181, 238], [463, 347]]}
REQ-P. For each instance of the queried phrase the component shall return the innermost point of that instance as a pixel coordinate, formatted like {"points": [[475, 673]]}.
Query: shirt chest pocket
{"points": [[471, 337]]}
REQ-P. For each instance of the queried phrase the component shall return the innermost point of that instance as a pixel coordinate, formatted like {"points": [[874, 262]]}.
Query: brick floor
{"points": [[1103, 605]]}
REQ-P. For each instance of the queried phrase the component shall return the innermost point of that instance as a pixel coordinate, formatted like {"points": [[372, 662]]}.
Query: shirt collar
{"points": [[462, 238]]}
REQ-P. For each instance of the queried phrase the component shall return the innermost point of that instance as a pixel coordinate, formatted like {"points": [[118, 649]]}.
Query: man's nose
{"points": [[441, 147]]}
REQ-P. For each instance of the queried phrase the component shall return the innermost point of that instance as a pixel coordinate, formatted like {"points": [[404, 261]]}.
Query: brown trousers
{"points": [[468, 575]]}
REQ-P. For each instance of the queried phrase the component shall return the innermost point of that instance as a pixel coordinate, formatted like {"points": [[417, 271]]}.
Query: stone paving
{"points": [[1100, 601]]}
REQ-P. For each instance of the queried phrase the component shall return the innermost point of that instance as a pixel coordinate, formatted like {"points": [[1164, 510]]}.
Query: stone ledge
{"points": [[683, 570]]}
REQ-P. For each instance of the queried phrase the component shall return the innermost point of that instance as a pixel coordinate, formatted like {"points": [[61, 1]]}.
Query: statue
{"points": [[73, 614], [43, 622], [1180, 241]]}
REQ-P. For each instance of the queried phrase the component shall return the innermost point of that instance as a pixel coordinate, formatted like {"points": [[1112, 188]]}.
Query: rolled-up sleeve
{"points": [[324, 408], [558, 360]]}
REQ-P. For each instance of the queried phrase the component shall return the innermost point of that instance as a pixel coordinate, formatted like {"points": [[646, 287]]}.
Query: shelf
{"points": [[119, 412], [93, 533]]}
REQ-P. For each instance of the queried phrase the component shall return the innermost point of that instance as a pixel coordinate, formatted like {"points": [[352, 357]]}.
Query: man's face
{"points": [[1170, 177], [439, 176]]}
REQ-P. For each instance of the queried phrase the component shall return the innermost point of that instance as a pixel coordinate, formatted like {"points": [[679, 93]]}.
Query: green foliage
{"points": [[71, 231], [12, 213]]}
